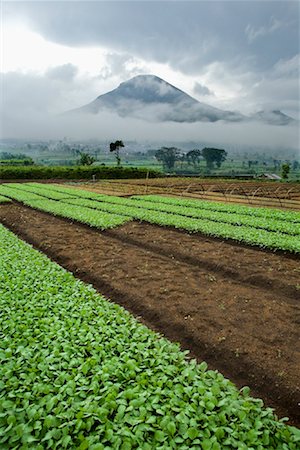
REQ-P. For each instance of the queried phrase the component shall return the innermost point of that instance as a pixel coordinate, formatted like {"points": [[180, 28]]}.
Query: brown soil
{"points": [[235, 307]]}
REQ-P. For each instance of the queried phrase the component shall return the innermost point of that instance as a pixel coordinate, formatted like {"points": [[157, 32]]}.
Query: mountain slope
{"points": [[151, 98], [274, 117]]}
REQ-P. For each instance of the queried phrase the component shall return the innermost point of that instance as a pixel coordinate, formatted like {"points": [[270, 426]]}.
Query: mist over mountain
{"points": [[274, 117], [151, 98]]}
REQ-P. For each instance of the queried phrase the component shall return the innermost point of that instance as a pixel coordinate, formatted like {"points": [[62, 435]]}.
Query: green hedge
{"points": [[73, 173]]}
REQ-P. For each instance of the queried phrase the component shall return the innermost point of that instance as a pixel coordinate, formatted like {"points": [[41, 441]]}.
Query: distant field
{"points": [[251, 193]]}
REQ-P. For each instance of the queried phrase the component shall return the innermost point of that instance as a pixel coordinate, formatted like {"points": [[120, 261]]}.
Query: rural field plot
{"points": [[278, 230], [271, 194], [80, 372], [237, 307]]}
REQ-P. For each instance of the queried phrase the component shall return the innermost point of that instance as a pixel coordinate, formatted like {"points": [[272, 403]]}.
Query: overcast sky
{"points": [[237, 55]]}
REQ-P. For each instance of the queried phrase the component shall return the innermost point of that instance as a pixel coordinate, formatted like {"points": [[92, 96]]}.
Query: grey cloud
{"points": [[194, 38], [121, 65], [65, 72], [253, 32], [27, 93], [202, 90], [187, 36]]}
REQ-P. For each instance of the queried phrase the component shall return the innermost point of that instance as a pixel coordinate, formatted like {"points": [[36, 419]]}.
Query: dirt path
{"points": [[233, 306]]}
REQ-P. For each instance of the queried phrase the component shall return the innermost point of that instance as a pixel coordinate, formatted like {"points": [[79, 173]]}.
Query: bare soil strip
{"points": [[233, 306]]}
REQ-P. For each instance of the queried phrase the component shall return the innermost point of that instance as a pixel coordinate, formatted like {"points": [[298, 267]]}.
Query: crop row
{"points": [[67, 191], [58, 208], [234, 216], [4, 199], [269, 213], [80, 372], [230, 217], [249, 235], [85, 210], [48, 193], [214, 216]]}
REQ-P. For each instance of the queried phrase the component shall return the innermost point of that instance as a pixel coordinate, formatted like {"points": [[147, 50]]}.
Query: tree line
{"points": [[212, 156]]}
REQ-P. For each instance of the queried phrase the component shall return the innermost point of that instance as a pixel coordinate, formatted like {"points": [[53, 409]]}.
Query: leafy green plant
{"points": [[4, 199], [78, 371]]}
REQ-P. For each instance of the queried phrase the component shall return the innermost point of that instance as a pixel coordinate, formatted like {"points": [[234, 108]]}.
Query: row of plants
{"points": [[269, 224], [249, 235], [58, 208], [268, 219], [80, 372], [85, 210], [67, 191], [74, 172], [268, 213], [4, 199], [48, 193], [232, 214]]}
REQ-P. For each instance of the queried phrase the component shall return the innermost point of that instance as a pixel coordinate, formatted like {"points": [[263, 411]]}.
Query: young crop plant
{"points": [[4, 199], [79, 372]]}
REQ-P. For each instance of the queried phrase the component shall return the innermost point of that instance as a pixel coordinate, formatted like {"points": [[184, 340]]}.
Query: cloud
{"points": [[65, 72], [254, 33], [184, 36], [202, 90], [121, 65], [185, 41]]}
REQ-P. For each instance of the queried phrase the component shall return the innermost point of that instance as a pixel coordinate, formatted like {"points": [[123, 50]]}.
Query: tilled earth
{"points": [[234, 306]]}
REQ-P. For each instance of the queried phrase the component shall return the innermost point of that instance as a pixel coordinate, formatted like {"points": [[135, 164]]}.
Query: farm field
{"points": [[247, 295], [79, 372], [267, 228], [257, 193], [234, 306]]}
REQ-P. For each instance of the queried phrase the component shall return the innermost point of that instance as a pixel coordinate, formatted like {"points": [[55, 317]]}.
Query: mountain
{"points": [[274, 117], [151, 98]]}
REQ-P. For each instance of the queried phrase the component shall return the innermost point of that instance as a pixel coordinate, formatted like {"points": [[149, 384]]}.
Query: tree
{"points": [[214, 155], [168, 156], [193, 156], [115, 147], [86, 159], [285, 170]]}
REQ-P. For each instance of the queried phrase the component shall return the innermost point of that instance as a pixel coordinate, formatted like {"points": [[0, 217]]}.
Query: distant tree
{"points": [[28, 161], [193, 156], [296, 165], [213, 155], [86, 159], [285, 170], [168, 156], [115, 147]]}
